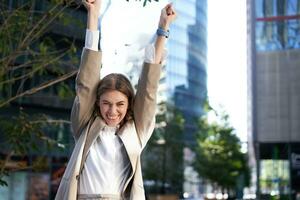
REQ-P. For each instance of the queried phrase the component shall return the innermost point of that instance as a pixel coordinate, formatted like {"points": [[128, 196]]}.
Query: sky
{"points": [[227, 89], [227, 61], [127, 27]]}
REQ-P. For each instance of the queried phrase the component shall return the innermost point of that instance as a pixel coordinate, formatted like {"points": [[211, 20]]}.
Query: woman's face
{"points": [[113, 107]]}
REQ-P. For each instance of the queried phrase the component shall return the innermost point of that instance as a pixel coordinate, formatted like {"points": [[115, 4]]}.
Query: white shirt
{"points": [[107, 166]]}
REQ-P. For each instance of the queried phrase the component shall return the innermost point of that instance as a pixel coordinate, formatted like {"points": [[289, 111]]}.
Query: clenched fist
{"points": [[93, 6]]}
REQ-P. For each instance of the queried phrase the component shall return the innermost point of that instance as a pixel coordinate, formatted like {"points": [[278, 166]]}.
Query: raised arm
{"points": [[145, 100], [167, 16], [88, 75], [93, 9]]}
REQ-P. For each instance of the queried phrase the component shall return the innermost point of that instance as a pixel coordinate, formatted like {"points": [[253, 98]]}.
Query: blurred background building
{"points": [[185, 73], [274, 101], [185, 77]]}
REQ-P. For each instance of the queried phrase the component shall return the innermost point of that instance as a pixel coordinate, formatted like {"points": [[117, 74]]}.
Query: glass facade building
{"points": [[185, 78], [273, 88], [185, 73], [277, 25]]}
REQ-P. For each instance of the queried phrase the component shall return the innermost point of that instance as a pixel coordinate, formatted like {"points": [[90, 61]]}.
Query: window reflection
{"points": [[277, 25]]}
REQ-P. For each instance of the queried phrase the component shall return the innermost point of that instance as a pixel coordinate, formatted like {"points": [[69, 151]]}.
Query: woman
{"points": [[110, 124]]}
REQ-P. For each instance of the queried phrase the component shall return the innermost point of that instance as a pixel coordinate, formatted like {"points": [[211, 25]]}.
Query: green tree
{"points": [[29, 52], [218, 153], [33, 60], [145, 1], [163, 157]]}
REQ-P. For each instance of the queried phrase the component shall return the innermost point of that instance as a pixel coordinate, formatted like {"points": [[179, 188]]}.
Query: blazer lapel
{"points": [[131, 142], [92, 134]]}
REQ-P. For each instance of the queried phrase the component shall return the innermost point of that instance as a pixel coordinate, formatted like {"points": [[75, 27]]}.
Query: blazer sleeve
{"points": [[145, 101], [86, 83]]}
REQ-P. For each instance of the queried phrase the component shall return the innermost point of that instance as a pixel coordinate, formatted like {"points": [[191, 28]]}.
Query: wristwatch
{"points": [[162, 32]]}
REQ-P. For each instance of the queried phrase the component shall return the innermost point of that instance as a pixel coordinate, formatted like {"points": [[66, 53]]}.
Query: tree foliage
{"points": [[29, 52], [218, 153], [33, 59], [145, 1], [163, 157]]}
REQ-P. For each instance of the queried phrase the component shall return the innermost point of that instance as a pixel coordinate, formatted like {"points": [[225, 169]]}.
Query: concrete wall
{"points": [[277, 96]]}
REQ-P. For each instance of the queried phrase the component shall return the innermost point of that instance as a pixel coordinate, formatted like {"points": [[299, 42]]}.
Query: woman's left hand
{"points": [[168, 15]]}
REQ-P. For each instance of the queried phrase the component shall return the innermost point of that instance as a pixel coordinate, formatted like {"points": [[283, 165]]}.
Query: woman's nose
{"points": [[113, 109]]}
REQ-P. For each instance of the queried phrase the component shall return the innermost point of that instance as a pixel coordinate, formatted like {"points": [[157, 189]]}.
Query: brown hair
{"points": [[120, 83]]}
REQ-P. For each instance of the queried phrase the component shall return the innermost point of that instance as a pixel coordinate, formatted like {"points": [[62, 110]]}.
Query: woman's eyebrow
{"points": [[104, 100]]}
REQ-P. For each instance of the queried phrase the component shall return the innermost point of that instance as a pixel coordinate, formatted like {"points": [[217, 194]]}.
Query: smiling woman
{"points": [[111, 125], [113, 107], [114, 99]]}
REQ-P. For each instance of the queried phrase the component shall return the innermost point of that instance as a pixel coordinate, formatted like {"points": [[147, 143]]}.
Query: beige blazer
{"points": [[86, 125]]}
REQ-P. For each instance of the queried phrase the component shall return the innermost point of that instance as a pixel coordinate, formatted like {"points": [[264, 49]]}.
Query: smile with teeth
{"points": [[112, 118]]}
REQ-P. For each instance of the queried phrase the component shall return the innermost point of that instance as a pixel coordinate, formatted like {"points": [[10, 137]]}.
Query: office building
{"points": [[274, 101]]}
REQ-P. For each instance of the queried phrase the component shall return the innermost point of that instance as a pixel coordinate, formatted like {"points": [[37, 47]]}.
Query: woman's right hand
{"points": [[93, 7]]}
